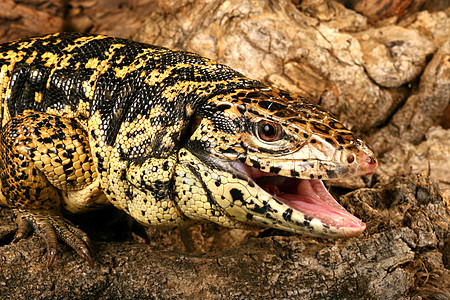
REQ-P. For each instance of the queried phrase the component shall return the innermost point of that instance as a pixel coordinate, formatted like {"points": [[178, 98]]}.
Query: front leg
{"points": [[44, 159]]}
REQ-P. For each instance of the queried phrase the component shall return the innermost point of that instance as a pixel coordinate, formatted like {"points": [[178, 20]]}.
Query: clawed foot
{"points": [[50, 228]]}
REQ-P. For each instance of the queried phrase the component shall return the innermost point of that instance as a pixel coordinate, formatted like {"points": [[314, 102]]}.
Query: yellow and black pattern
{"points": [[170, 137]]}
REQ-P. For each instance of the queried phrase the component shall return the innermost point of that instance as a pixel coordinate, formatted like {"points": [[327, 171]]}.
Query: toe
{"points": [[23, 229], [73, 236], [51, 227]]}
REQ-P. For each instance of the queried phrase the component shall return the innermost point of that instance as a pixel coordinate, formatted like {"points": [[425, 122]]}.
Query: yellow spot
{"points": [[92, 63], [83, 108], [139, 62], [38, 97], [79, 42], [118, 61], [25, 45], [99, 67], [13, 57], [155, 76], [31, 58], [55, 61], [66, 112], [51, 59], [157, 111]]}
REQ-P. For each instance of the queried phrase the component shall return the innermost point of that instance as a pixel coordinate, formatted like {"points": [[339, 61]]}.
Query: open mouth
{"points": [[307, 196]]}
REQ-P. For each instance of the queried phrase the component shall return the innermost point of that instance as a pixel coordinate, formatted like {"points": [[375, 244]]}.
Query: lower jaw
{"points": [[311, 199]]}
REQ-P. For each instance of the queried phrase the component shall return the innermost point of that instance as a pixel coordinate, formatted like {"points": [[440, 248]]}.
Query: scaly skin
{"points": [[169, 137]]}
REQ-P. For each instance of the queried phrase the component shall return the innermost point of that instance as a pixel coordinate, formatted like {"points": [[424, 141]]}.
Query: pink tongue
{"points": [[313, 199]]}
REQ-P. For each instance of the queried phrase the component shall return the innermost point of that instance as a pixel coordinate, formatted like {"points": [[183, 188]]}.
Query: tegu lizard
{"points": [[169, 137]]}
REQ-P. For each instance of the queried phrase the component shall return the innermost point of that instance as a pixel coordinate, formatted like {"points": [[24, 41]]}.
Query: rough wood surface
{"points": [[388, 79], [402, 253]]}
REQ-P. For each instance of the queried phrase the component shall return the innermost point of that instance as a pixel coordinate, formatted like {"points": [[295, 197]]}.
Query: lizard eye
{"points": [[269, 131]]}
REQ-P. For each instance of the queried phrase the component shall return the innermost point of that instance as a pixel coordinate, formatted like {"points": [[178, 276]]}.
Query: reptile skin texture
{"points": [[169, 137]]}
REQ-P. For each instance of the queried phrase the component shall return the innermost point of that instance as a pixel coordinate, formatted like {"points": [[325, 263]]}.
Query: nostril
{"points": [[350, 158], [368, 163], [371, 160]]}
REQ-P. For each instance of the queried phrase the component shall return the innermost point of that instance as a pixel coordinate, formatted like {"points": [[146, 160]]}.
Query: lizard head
{"points": [[261, 156]]}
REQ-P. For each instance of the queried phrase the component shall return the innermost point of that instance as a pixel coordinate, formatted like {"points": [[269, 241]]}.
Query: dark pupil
{"points": [[268, 130]]}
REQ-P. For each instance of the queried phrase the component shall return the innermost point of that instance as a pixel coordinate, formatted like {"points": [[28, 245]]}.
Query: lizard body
{"points": [[169, 137]]}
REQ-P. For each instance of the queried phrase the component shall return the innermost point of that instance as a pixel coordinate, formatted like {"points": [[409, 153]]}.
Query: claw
{"points": [[50, 228], [23, 229], [86, 253], [51, 253], [83, 236], [73, 237]]}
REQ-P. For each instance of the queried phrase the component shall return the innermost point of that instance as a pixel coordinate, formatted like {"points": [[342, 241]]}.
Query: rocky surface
{"points": [[386, 75]]}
